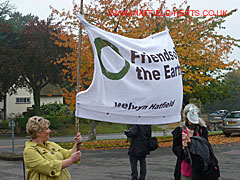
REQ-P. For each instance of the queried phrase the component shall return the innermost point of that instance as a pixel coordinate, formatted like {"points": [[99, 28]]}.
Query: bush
{"points": [[55, 109], [22, 123], [56, 122], [4, 125], [65, 125], [60, 122]]}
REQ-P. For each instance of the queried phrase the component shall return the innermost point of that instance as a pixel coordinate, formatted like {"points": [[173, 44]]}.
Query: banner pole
{"points": [[78, 69], [165, 21]]}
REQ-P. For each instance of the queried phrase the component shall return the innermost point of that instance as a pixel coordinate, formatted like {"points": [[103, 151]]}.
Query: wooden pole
{"points": [[78, 68], [165, 21], [79, 50]]}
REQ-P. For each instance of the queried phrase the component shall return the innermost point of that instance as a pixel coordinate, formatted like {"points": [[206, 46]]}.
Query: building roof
{"points": [[51, 90]]}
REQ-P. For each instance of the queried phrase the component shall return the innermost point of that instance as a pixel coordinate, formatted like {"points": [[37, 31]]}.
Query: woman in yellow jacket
{"points": [[46, 160]]}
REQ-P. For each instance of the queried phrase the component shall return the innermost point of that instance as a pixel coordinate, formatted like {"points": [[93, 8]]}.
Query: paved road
{"points": [[6, 142], [114, 165]]}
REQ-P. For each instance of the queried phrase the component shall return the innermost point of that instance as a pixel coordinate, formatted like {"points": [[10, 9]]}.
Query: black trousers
{"points": [[143, 168]]}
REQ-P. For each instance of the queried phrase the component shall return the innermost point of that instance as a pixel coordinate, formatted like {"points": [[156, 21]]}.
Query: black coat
{"points": [[205, 164], [140, 135], [179, 152]]}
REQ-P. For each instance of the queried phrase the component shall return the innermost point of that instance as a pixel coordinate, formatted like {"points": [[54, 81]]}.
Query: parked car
{"points": [[215, 118], [231, 123]]}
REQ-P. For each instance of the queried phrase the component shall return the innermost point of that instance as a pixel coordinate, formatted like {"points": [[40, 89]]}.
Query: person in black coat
{"points": [[188, 166], [139, 148]]}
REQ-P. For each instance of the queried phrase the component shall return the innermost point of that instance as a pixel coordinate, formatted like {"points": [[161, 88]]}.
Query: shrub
{"points": [[4, 125], [22, 123], [57, 122], [55, 109]]}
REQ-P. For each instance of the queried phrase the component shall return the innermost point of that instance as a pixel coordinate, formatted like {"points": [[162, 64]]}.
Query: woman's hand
{"points": [[78, 142], [76, 156], [185, 140], [78, 138]]}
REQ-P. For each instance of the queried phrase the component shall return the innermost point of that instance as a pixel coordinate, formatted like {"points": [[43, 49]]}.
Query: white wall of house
{"points": [[51, 99], [1, 104], [1, 108], [18, 103]]}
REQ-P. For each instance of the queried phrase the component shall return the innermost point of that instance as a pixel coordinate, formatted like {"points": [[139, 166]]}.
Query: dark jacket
{"points": [[140, 135], [179, 152], [205, 164], [200, 147]]}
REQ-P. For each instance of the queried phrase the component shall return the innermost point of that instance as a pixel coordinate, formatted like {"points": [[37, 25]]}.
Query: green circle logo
{"points": [[101, 43]]}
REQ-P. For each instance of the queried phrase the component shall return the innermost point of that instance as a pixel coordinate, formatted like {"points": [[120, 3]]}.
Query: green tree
{"points": [[232, 100], [9, 50], [233, 80], [5, 9], [8, 73], [10, 25], [19, 21], [8, 59]]}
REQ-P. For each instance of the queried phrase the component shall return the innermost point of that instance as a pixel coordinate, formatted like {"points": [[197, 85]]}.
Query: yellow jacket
{"points": [[44, 162]]}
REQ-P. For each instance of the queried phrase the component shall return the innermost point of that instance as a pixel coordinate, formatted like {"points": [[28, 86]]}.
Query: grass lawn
{"points": [[103, 128]]}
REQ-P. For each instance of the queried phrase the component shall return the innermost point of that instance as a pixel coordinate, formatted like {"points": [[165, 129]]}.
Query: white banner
{"points": [[136, 81]]}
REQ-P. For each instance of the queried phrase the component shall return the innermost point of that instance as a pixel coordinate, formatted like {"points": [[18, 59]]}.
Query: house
{"points": [[18, 103]]}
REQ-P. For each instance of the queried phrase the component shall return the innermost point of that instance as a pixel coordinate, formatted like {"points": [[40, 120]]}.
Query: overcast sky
{"points": [[41, 9]]}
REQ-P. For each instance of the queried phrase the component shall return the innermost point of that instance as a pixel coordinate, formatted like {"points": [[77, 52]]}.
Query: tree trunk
{"points": [[93, 130], [36, 97], [185, 101], [5, 107], [92, 133]]}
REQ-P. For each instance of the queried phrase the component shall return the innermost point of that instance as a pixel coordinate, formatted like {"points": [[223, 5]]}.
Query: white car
{"points": [[231, 123]]}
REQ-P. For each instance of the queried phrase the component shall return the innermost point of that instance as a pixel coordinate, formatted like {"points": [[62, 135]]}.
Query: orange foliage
{"points": [[162, 142], [202, 53]]}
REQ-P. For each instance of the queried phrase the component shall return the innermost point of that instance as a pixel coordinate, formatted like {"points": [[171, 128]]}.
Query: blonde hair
{"points": [[36, 124]]}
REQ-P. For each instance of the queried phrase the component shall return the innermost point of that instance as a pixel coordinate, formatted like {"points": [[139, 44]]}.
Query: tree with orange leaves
{"points": [[203, 53]]}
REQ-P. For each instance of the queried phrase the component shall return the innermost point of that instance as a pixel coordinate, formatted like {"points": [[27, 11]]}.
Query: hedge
{"points": [[64, 123], [4, 125]]}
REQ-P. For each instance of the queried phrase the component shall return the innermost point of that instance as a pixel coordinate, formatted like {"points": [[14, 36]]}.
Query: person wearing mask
{"points": [[45, 159], [138, 149], [195, 159]]}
